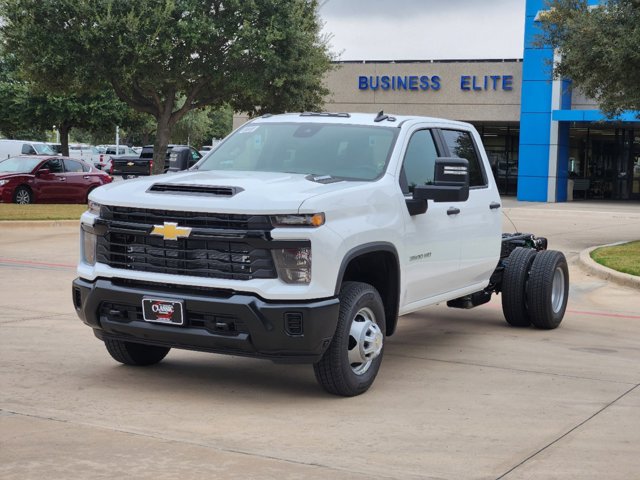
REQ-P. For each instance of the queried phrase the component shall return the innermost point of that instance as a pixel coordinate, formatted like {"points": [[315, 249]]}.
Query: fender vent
{"points": [[181, 189]]}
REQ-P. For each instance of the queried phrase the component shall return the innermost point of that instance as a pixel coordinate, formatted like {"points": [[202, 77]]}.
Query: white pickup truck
{"points": [[302, 238]]}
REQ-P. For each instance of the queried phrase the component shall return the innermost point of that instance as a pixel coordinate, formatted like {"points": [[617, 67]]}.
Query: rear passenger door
{"points": [[480, 220]]}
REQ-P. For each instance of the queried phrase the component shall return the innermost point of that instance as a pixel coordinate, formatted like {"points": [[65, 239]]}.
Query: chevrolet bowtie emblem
{"points": [[171, 231], [131, 164]]}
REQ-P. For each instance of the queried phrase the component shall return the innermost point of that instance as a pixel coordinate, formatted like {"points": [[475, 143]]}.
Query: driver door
{"points": [[431, 239]]}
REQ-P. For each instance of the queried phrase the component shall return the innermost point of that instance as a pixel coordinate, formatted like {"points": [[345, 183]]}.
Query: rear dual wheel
{"points": [[535, 288]]}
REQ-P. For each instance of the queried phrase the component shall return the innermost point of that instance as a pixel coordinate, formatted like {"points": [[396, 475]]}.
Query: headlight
{"points": [[303, 220], [3, 182], [293, 264], [94, 208], [89, 241]]}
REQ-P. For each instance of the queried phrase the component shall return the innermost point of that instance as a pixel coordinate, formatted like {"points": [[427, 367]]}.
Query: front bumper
{"points": [[220, 322]]}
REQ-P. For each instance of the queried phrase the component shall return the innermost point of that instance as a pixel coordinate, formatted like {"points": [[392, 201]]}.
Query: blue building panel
{"points": [[592, 116], [532, 189], [534, 6], [536, 97], [534, 130], [537, 164], [537, 64]]}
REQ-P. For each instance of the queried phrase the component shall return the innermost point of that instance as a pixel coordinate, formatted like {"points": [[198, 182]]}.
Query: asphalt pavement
{"points": [[460, 395]]}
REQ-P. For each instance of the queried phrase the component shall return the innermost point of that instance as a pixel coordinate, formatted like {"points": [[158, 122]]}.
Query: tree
{"points": [[29, 112], [168, 57], [599, 49]]}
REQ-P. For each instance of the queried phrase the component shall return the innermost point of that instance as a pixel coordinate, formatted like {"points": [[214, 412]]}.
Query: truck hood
{"points": [[255, 192]]}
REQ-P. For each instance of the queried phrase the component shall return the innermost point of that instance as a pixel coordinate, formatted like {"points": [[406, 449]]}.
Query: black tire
{"points": [[136, 354], [514, 287], [548, 289], [23, 195], [359, 336]]}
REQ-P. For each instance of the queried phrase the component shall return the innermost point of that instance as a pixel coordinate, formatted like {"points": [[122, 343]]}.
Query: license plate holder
{"points": [[163, 310]]}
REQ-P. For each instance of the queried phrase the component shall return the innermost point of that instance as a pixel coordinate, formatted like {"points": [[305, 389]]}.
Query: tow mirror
{"points": [[451, 182]]}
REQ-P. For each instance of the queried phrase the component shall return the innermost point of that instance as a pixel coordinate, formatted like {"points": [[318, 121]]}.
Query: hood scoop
{"points": [[199, 190]]}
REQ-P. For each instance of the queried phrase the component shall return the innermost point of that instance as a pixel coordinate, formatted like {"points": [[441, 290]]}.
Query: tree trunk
{"points": [[64, 130], [163, 135]]}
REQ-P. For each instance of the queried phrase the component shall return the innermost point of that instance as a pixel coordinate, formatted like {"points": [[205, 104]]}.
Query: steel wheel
{"points": [[557, 290], [350, 364], [365, 341]]}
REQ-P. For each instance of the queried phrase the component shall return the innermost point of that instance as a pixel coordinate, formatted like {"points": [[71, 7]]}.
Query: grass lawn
{"points": [[623, 258], [11, 211]]}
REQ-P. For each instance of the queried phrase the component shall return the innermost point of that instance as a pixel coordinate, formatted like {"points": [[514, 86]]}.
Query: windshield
{"points": [[43, 149], [19, 165], [353, 152]]}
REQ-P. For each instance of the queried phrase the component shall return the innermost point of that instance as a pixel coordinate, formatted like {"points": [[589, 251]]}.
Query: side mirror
{"points": [[43, 172], [451, 182]]}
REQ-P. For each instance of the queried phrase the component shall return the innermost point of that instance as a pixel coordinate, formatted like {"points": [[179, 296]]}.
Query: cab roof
{"points": [[380, 119]]}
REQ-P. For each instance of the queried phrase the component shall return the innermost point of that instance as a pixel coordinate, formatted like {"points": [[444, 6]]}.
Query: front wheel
{"points": [[136, 354], [351, 363], [23, 196]]}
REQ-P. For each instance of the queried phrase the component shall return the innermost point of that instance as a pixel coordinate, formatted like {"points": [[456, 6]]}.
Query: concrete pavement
{"points": [[459, 396]]}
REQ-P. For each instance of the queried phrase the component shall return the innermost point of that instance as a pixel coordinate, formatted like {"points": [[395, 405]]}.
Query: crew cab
{"points": [[302, 238]]}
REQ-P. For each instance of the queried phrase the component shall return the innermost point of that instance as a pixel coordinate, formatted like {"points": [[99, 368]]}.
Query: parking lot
{"points": [[460, 395]]}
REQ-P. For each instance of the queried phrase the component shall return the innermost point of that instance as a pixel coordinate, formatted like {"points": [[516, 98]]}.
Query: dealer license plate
{"points": [[158, 310]]}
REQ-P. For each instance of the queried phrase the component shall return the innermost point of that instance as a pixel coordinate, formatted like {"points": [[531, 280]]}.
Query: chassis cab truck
{"points": [[302, 238]]}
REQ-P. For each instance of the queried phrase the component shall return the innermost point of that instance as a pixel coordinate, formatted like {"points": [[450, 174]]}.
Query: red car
{"points": [[47, 179]]}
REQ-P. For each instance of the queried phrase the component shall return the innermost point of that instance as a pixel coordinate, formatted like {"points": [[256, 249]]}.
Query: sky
{"points": [[424, 29]]}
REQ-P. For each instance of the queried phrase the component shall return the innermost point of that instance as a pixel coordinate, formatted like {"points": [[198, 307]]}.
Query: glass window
{"points": [[28, 149], [44, 149], [72, 166], [461, 145], [351, 152], [54, 165], [18, 165], [419, 161]]}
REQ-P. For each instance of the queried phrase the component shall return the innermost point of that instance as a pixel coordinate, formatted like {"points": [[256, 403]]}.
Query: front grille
{"points": [[232, 260], [231, 247], [186, 219]]}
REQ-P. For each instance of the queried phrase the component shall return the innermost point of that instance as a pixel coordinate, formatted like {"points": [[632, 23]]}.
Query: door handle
{"points": [[494, 205], [86, 177], [63, 179], [453, 211]]}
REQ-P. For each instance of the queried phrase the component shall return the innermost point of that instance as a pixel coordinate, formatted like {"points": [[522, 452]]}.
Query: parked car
{"points": [[48, 179], [13, 148]]}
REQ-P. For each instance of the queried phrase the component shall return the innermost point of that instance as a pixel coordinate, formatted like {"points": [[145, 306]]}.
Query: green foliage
{"points": [[168, 57], [599, 49]]}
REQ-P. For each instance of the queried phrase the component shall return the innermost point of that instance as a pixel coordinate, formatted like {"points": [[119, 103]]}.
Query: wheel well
{"points": [[379, 269]]}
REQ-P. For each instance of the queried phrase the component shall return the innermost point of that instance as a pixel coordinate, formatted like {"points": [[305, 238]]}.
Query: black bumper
{"points": [[231, 323]]}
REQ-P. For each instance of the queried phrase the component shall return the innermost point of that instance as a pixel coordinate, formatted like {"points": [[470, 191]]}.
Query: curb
{"points": [[39, 223], [600, 271]]}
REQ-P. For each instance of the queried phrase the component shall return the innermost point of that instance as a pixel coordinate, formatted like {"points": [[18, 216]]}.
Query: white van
{"points": [[13, 148]]}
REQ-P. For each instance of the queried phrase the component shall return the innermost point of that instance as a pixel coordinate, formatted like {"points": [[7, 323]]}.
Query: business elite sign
{"points": [[416, 83]]}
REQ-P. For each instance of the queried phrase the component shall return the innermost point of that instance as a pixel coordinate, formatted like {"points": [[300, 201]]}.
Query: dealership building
{"points": [[546, 142]]}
